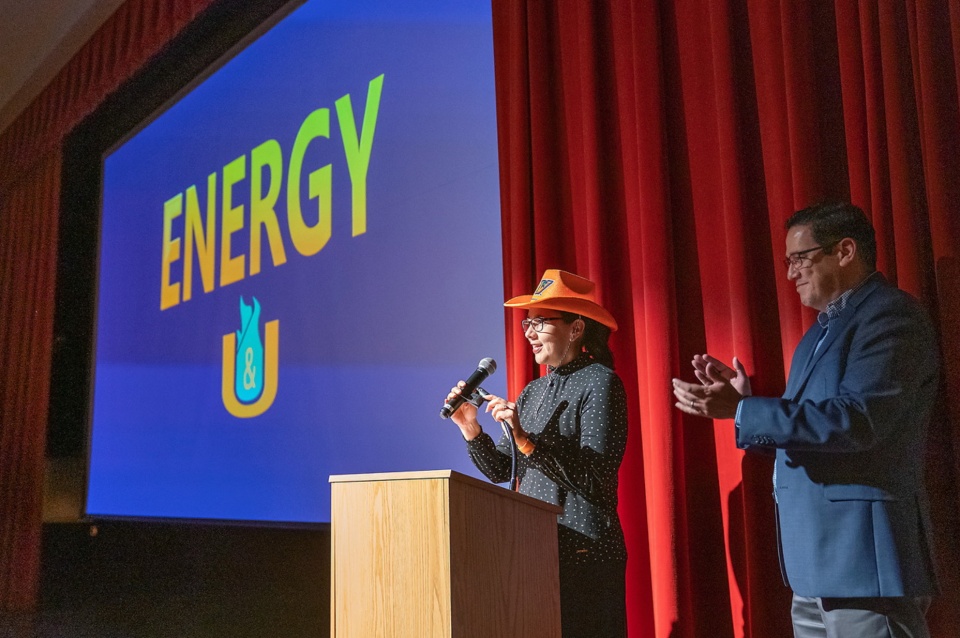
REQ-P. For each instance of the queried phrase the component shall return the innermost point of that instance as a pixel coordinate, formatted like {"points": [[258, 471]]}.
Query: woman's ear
{"points": [[576, 330]]}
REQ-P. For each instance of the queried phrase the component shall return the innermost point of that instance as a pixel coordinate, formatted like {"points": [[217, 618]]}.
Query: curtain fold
{"points": [[658, 148], [28, 227]]}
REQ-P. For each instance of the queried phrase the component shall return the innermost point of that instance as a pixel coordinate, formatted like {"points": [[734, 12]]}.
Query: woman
{"points": [[571, 429]]}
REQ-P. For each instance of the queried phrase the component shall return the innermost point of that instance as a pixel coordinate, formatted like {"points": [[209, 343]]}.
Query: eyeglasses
{"points": [[798, 259], [537, 323]]}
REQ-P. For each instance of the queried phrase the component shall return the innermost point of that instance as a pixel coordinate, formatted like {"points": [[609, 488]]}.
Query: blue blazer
{"points": [[849, 433]]}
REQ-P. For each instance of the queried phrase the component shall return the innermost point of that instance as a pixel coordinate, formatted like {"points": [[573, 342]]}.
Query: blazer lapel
{"points": [[801, 360], [798, 378]]}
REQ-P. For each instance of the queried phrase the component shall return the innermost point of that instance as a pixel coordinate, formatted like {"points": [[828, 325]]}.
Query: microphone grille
{"points": [[488, 364]]}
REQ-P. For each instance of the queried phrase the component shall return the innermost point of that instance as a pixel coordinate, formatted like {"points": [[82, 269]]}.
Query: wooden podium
{"points": [[438, 554]]}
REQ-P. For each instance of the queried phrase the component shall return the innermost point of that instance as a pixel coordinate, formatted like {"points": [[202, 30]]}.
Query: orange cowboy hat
{"points": [[566, 292]]}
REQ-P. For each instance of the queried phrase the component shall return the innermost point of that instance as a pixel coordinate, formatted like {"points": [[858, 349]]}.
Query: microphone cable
{"points": [[514, 481]]}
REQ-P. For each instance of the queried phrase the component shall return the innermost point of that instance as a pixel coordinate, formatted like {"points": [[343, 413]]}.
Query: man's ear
{"points": [[846, 251]]}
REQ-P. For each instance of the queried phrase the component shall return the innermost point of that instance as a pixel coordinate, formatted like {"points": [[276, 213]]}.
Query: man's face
{"points": [[817, 276]]}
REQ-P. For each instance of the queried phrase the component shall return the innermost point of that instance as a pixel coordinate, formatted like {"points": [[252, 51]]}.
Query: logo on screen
{"points": [[249, 383]]}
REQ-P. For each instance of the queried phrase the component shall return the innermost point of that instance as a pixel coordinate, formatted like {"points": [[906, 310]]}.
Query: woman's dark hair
{"points": [[595, 338]]}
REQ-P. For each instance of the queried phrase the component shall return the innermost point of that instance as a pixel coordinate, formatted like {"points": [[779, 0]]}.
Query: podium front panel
{"points": [[439, 554]]}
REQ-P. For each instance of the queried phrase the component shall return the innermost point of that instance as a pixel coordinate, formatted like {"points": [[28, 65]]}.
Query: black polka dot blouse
{"points": [[577, 417]]}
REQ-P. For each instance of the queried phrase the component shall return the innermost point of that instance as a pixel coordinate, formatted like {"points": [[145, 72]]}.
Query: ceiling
{"points": [[37, 37]]}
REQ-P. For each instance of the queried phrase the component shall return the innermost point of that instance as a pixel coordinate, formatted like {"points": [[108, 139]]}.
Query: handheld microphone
{"points": [[485, 368]]}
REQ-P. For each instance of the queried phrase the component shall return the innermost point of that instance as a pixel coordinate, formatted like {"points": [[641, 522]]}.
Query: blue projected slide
{"points": [[297, 261]]}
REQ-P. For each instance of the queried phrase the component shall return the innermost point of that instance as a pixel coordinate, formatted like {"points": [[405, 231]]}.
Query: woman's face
{"points": [[555, 344]]}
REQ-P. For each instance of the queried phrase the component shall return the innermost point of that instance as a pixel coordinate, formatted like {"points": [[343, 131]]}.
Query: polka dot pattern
{"points": [[577, 417]]}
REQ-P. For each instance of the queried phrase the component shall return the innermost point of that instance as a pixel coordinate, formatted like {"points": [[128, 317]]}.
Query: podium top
{"points": [[449, 475]]}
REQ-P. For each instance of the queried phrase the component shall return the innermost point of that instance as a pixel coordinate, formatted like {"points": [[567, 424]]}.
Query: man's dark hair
{"points": [[832, 221]]}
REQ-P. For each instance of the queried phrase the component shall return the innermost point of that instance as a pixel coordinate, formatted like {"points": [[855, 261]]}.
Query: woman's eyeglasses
{"points": [[537, 323]]}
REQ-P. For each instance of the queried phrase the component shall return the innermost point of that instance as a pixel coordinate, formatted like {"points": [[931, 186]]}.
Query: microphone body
{"points": [[485, 368]]}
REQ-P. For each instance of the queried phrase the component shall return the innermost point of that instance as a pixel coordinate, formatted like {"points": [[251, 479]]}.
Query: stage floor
{"points": [[155, 580]]}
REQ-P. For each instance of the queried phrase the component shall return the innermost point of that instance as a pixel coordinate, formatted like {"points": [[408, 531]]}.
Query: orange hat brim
{"points": [[583, 307]]}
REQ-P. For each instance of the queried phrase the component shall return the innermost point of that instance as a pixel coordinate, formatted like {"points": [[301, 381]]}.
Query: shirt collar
{"points": [[835, 307], [582, 361]]}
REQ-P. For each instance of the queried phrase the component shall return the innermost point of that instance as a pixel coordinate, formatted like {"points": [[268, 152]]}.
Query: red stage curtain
{"points": [[28, 226], [29, 211], [657, 148]]}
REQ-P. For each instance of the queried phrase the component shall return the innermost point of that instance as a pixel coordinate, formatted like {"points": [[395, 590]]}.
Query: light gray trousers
{"points": [[860, 617]]}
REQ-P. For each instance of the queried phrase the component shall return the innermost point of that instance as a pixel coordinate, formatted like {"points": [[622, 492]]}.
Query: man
{"points": [[849, 433]]}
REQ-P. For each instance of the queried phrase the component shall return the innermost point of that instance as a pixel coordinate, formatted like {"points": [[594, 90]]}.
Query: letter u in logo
{"points": [[250, 368]]}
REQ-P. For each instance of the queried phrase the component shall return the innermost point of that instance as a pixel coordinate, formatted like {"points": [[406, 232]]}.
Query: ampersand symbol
{"points": [[249, 371]]}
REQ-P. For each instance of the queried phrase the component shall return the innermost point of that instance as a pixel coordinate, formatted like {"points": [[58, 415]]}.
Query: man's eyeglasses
{"points": [[799, 259], [537, 323]]}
